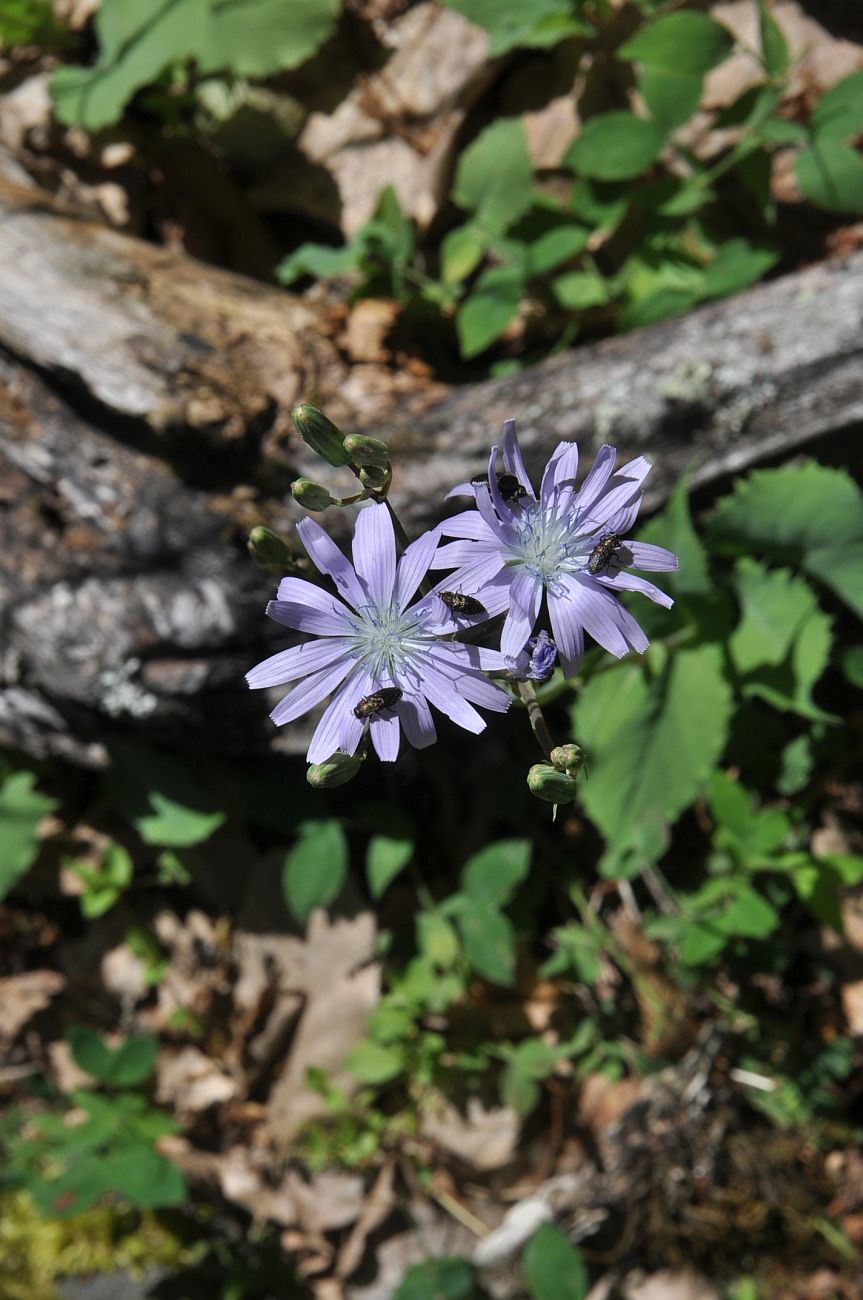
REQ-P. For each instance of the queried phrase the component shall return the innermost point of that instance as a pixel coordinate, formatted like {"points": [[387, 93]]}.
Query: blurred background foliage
{"points": [[586, 171]]}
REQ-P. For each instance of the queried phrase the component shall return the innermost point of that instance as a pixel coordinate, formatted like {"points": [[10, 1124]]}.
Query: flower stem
{"points": [[535, 717]]}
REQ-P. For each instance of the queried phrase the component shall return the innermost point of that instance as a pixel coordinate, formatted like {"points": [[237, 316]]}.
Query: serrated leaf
{"points": [[386, 857], [652, 744], [774, 606], [314, 870], [789, 511], [494, 176], [461, 252], [615, 146], [530, 23], [488, 940], [258, 37], [673, 529], [830, 173], [841, 569], [684, 42], [671, 95], [553, 1266], [774, 47], [838, 115], [22, 808], [790, 686], [492, 304]]}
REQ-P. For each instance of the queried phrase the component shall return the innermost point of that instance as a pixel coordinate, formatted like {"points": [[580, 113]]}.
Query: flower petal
{"points": [[309, 692], [566, 625], [455, 555], [339, 728], [461, 490], [647, 556], [561, 468], [469, 523], [600, 472], [512, 458], [298, 661], [525, 594], [470, 684], [439, 691], [307, 607], [603, 616], [629, 582], [415, 716], [327, 558], [414, 565], [386, 736], [374, 552]]}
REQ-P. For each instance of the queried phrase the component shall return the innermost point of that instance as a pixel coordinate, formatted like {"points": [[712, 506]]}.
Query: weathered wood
{"points": [[144, 402]]}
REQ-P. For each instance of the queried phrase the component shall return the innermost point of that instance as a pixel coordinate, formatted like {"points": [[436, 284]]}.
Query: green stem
{"points": [[535, 717]]}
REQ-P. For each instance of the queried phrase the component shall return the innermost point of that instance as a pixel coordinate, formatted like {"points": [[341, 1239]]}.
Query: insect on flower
{"points": [[508, 486], [603, 552], [385, 698], [459, 603]]}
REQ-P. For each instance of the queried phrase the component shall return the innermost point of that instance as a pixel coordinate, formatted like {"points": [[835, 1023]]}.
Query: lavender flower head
{"points": [[536, 662], [374, 643], [517, 548]]}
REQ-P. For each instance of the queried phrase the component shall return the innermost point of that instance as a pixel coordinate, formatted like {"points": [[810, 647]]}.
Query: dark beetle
{"points": [[385, 698]]}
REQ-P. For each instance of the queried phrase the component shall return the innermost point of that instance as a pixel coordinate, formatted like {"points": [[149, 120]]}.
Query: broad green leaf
{"points": [[737, 264], [652, 744], [554, 247], [121, 1067], [137, 40], [493, 874], [838, 115], [578, 290], [21, 810], [76, 1188], [553, 1266], [492, 304], [258, 37], [530, 23], [685, 42], [319, 260], [774, 606], [144, 1177], [790, 511], [748, 915], [599, 204], [615, 146], [774, 47], [494, 176], [175, 825], [781, 130], [658, 305], [790, 685], [673, 529], [461, 252], [730, 805], [386, 857], [831, 175], [437, 1279], [489, 943], [841, 569], [671, 95], [315, 868], [373, 1063], [700, 943]]}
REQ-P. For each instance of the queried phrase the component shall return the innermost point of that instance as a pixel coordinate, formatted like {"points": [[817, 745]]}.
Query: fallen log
{"points": [[144, 428]]}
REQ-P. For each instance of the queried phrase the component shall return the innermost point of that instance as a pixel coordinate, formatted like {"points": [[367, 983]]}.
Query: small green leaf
{"points": [[737, 264], [21, 810], [437, 940], [315, 868], [673, 529], [437, 1279], [838, 115], [775, 605], [774, 47], [831, 175], [615, 146], [373, 1063], [852, 665], [749, 915], [700, 943], [599, 204], [386, 857], [530, 23], [492, 304], [494, 176], [144, 1177], [553, 1266], [493, 874], [554, 247], [319, 260], [489, 943], [121, 1067], [684, 42], [579, 290], [531, 1061], [175, 825], [461, 252], [671, 95], [658, 305]]}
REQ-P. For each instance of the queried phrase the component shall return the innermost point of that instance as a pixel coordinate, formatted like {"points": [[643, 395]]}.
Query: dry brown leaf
{"points": [[191, 1082], [670, 1285], [852, 1005], [369, 323], [22, 996], [66, 1073], [377, 1206], [485, 1139]]}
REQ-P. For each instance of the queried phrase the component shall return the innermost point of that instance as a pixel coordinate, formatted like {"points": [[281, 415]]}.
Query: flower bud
{"points": [[568, 758], [367, 451], [374, 478], [320, 433], [269, 549], [338, 769], [547, 783], [309, 495]]}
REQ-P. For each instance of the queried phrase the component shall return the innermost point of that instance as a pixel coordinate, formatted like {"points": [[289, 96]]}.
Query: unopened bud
{"points": [[569, 758], [320, 433], [547, 783], [309, 495], [338, 769], [367, 451], [269, 549], [375, 479]]}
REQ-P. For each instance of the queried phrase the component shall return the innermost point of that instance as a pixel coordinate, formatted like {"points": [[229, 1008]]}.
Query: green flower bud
{"points": [[374, 478], [338, 769], [547, 783], [320, 433], [367, 451], [309, 495], [269, 549], [569, 758]]}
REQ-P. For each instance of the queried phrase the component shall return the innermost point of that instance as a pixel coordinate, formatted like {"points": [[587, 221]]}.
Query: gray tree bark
{"points": [[144, 429]]}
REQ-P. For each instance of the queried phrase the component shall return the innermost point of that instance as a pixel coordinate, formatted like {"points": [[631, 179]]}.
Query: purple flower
{"points": [[374, 640], [536, 662], [516, 548]]}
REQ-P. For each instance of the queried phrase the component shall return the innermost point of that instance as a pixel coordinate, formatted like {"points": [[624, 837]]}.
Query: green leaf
{"points": [[21, 810], [652, 744], [673, 529], [838, 115], [790, 687], [144, 1177], [492, 304], [553, 1266], [320, 261], [530, 23], [831, 175], [493, 874], [175, 825], [774, 47], [554, 247], [437, 1279], [255, 38], [494, 176], [615, 146], [437, 940], [489, 943], [531, 1061], [841, 569], [737, 264], [121, 1067], [373, 1063], [315, 868], [166, 801], [789, 511], [658, 305], [671, 95], [684, 42], [852, 665], [599, 204], [386, 857], [578, 290], [137, 40], [748, 915], [577, 950], [774, 606], [700, 943], [461, 252]]}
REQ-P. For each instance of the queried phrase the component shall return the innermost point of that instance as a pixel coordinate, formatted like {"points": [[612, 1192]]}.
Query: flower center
{"points": [[548, 544], [386, 637]]}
